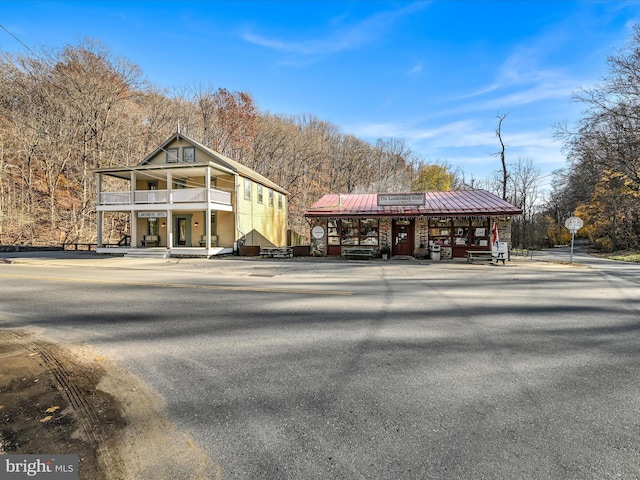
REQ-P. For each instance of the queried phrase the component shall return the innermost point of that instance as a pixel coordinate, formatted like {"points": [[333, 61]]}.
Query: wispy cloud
{"points": [[416, 69], [520, 70], [341, 36]]}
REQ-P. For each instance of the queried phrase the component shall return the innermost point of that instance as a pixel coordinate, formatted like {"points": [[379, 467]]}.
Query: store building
{"points": [[409, 223], [186, 199]]}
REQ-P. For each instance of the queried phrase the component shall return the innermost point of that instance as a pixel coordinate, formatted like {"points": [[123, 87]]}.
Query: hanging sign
{"points": [[152, 214], [400, 199]]}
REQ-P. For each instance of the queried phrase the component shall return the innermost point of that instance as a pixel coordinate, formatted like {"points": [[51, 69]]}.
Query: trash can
{"points": [[435, 252]]}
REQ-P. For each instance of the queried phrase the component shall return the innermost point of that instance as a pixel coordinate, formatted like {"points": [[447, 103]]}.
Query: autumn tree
{"points": [[437, 176], [604, 150]]}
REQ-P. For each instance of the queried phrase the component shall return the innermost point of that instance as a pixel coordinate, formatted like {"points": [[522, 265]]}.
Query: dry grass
{"points": [[624, 256]]}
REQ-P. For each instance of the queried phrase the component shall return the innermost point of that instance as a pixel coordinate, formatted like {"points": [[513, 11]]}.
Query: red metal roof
{"points": [[451, 203]]}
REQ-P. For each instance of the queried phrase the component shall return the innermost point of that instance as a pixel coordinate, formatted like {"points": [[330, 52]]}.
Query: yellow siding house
{"points": [[185, 199]]}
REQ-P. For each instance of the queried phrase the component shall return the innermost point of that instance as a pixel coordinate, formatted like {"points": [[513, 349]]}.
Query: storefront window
{"points": [[458, 232], [350, 232], [353, 232], [333, 234], [440, 231], [461, 232], [369, 232], [480, 233]]}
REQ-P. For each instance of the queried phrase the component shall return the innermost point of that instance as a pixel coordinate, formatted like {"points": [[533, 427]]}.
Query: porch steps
{"points": [[160, 252]]}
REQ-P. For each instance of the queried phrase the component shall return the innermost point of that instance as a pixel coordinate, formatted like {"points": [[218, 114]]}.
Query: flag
{"points": [[494, 237]]}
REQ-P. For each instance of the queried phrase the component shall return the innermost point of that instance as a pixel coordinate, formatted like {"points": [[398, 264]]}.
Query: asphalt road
{"points": [[304, 369]]}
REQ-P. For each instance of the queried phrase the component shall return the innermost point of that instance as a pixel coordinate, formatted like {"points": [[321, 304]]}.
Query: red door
{"points": [[403, 241]]}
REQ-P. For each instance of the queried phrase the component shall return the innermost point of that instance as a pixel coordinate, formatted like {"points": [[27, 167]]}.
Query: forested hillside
{"points": [[66, 112]]}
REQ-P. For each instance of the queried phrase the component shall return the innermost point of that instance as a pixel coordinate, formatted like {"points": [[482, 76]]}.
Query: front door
{"points": [[182, 231], [403, 241]]}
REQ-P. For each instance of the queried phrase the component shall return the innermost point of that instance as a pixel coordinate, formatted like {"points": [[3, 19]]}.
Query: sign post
{"points": [[573, 224]]}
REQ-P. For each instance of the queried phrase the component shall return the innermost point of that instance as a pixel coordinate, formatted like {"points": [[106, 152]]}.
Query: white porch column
{"points": [[133, 187], [134, 217], [169, 211], [99, 233], [134, 229], [99, 212], [169, 229], [207, 212]]}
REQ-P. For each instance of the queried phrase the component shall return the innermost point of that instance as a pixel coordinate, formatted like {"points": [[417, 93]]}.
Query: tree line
{"points": [[64, 112], [601, 183]]}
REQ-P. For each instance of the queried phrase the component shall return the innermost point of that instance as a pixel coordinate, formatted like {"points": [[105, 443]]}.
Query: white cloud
{"points": [[341, 35], [416, 70], [470, 145]]}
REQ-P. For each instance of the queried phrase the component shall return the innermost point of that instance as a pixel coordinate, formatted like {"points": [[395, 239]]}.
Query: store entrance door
{"points": [[403, 237]]}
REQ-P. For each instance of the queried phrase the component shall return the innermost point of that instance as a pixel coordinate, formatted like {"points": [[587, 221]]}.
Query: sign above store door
{"points": [[401, 199]]}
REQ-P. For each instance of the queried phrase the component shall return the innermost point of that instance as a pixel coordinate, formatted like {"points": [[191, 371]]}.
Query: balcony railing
{"points": [[114, 198], [183, 195], [151, 196]]}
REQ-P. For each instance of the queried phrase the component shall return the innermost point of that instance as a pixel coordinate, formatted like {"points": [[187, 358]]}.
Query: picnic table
{"points": [[485, 255], [273, 252]]}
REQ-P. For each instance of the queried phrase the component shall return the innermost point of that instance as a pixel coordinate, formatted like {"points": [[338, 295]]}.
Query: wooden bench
{"points": [[214, 240], [357, 252], [273, 252], [485, 255], [150, 241]]}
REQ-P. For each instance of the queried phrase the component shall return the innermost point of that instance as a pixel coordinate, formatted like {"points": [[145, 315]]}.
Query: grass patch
{"points": [[632, 257], [626, 256]]}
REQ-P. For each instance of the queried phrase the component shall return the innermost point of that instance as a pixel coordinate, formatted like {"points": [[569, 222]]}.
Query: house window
{"points": [[172, 155], [270, 198], [179, 183], [247, 189], [279, 201], [260, 196], [188, 154]]}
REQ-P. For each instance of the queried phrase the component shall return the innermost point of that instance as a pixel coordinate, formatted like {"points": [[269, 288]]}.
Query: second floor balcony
{"points": [[151, 197]]}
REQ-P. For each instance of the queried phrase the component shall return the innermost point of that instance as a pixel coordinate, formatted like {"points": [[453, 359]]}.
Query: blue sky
{"points": [[434, 73]]}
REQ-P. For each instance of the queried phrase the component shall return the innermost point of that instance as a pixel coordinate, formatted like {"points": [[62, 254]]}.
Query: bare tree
{"points": [[505, 176]]}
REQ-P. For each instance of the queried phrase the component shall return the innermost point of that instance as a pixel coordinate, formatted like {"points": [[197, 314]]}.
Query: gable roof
{"points": [[451, 203], [218, 159]]}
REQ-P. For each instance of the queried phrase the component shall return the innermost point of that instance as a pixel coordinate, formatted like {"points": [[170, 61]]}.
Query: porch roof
{"points": [[217, 161], [451, 203]]}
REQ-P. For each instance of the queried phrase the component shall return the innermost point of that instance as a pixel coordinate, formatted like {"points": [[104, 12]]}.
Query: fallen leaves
{"points": [[48, 418]]}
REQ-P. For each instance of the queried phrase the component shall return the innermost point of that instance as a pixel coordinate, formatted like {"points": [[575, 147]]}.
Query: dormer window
{"points": [[172, 155], [188, 154]]}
